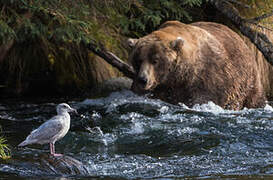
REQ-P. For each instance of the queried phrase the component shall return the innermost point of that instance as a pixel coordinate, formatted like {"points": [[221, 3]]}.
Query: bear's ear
{"points": [[131, 42], [177, 44]]}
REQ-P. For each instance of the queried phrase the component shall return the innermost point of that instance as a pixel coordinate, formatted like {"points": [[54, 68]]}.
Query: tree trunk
{"points": [[260, 40], [4, 49]]}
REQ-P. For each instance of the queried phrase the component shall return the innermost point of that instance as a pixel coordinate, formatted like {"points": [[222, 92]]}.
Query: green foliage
{"points": [[48, 36], [54, 20], [144, 16], [6, 33], [4, 149], [82, 20]]}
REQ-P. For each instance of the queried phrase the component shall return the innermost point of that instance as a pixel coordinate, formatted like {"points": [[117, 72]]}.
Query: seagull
{"points": [[52, 130]]}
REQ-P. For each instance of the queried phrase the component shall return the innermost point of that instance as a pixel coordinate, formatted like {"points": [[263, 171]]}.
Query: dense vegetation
{"points": [[45, 39], [4, 148], [42, 40]]}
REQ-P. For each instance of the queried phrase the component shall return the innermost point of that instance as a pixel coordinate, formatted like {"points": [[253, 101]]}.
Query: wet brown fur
{"points": [[212, 64]]}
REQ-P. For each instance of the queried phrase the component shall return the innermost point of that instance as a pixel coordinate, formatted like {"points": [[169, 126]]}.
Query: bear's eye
{"points": [[136, 64], [154, 61], [136, 61]]}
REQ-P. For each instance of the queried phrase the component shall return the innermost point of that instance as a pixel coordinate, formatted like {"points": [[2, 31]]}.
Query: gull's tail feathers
{"points": [[24, 143]]}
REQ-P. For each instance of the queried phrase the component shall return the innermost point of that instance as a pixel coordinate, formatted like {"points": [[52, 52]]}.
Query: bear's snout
{"points": [[142, 79]]}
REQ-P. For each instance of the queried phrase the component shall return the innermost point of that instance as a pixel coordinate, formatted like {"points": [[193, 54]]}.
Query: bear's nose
{"points": [[142, 79]]}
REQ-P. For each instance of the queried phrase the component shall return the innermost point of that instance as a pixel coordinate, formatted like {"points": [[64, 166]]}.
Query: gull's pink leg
{"points": [[53, 148]]}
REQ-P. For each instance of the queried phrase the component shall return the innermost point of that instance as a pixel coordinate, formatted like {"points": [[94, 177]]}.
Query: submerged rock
{"points": [[63, 165], [112, 85], [47, 164]]}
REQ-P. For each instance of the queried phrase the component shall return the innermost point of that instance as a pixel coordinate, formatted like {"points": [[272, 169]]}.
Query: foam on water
{"points": [[136, 127], [213, 108], [123, 95], [99, 136], [268, 108], [134, 137], [96, 115], [119, 98], [164, 109], [209, 107], [6, 116]]}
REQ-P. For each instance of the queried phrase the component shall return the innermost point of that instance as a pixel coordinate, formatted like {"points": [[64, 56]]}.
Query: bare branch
{"points": [[112, 59], [262, 27], [259, 18], [239, 3], [260, 40]]}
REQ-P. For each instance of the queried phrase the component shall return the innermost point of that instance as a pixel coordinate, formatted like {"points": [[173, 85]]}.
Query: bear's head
{"points": [[153, 60]]}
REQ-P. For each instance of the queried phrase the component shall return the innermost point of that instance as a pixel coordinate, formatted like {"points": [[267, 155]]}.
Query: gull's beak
{"points": [[74, 110]]}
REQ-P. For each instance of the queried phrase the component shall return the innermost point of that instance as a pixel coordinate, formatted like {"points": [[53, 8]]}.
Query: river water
{"points": [[125, 136]]}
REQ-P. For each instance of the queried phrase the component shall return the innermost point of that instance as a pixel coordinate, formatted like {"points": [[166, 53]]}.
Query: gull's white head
{"points": [[63, 108]]}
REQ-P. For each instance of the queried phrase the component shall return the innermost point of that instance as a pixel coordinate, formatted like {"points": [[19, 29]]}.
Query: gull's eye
{"points": [[64, 106]]}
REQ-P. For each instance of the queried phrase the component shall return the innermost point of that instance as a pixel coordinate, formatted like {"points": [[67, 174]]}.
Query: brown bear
{"points": [[196, 63]]}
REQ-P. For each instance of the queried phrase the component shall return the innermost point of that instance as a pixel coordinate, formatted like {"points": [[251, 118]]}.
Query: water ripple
{"points": [[132, 137]]}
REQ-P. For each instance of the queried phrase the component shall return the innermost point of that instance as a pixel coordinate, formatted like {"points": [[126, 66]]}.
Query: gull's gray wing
{"points": [[46, 132]]}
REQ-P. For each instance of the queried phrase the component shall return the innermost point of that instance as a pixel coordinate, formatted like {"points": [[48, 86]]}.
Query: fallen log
{"points": [[112, 59]]}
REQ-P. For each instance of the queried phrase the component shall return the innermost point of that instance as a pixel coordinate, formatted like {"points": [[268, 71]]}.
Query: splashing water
{"points": [[131, 137]]}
